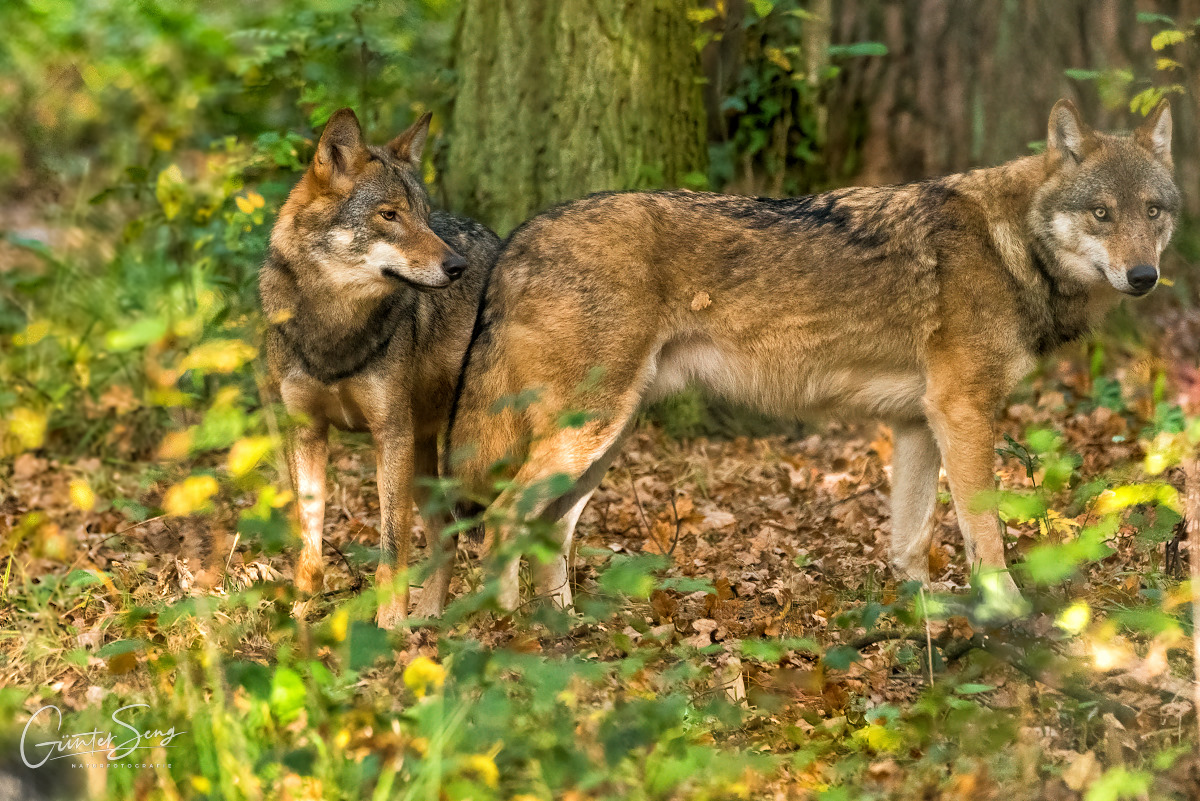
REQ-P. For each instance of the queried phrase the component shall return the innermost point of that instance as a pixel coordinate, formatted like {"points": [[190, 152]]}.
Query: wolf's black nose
{"points": [[454, 265], [1142, 278]]}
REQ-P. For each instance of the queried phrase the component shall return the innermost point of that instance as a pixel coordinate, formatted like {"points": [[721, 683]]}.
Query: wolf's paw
{"points": [[391, 615], [310, 573], [1000, 600], [393, 598], [304, 609], [429, 605]]}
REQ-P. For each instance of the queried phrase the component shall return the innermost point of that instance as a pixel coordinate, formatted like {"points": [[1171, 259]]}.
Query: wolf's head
{"points": [[360, 215], [1109, 204]]}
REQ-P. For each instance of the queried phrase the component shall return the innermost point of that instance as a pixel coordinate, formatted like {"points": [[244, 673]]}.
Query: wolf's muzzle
{"points": [[1142, 278], [454, 266]]}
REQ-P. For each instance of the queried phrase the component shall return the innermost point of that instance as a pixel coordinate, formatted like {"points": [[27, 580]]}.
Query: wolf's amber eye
{"points": [[1152, 212], [388, 215], [1100, 212]]}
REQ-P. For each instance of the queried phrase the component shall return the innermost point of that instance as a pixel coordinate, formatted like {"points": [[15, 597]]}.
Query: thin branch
{"points": [[954, 648]]}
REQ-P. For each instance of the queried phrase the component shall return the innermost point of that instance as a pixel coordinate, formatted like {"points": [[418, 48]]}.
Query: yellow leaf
{"points": [[244, 205], [1166, 64], [484, 767], [1118, 498], [82, 495], [339, 625], [34, 333], [169, 189], [423, 672], [219, 356], [1075, 617], [878, 738], [162, 141], [201, 784], [246, 453], [190, 495], [777, 57], [26, 430], [175, 445], [1167, 38], [256, 200]]}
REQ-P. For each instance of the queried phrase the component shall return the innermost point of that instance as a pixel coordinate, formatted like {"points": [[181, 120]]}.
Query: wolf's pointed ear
{"points": [[1068, 135], [408, 145], [1155, 133], [341, 152]]}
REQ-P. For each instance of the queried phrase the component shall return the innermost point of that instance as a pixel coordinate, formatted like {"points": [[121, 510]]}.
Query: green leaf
{"points": [[971, 689], [773, 650], [1145, 101], [763, 7], [120, 647], [287, 694], [632, 576], [366, 642], [1118, 783], [83, 578], [858, 49], [1082, 75], [1147, 17], [839, 658], [143, 332]]}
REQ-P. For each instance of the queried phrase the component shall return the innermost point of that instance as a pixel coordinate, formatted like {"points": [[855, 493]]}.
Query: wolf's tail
{"points": [[488, 434]]}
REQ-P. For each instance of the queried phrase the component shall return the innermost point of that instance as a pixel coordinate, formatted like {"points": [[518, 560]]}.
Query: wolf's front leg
{"points": [[309, 449], [915, 465], [443, 546], [961, 416], [394, 475]]}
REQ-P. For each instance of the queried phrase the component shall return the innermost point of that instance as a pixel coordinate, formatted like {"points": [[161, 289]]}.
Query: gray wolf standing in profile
{"points": [[370, 298], [921, 304]]}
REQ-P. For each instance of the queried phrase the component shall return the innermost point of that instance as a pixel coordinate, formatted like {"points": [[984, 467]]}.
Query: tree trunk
{"points": [[558, 98]]}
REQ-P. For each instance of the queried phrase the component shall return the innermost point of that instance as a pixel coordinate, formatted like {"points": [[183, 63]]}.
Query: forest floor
{"points": [[789, 538]]}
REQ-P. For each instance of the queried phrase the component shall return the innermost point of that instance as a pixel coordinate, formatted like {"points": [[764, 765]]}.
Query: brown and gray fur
{"points": [[370, 298], [921, 304]]}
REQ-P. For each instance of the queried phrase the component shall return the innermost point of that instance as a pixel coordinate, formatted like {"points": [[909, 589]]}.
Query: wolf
{"points": [[370, 298], [920, 304]]}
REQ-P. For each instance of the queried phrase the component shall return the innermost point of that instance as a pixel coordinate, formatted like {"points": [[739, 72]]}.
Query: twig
{"points": [[358, 579], [678, 525], [645, 522], [858, 494], [956, 648]]}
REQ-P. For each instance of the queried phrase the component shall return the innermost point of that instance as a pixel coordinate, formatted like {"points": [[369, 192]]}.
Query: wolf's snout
{"points": [[454, 265], [1142, 278]]}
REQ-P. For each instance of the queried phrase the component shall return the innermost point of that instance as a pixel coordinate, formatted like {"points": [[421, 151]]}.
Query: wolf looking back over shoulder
{"points": [[370, 299], [922, 304]]}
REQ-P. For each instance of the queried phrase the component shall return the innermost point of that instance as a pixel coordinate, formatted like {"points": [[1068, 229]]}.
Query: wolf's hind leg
{"points": [[915, 465], [552, 579], [572, 452]]}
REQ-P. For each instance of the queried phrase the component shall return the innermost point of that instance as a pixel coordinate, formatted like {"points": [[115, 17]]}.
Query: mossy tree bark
{"points": [[558, 98]]}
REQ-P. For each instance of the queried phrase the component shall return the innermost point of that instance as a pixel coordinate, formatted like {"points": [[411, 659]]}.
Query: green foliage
{"points": [[776, 123], [1115, 85]]}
